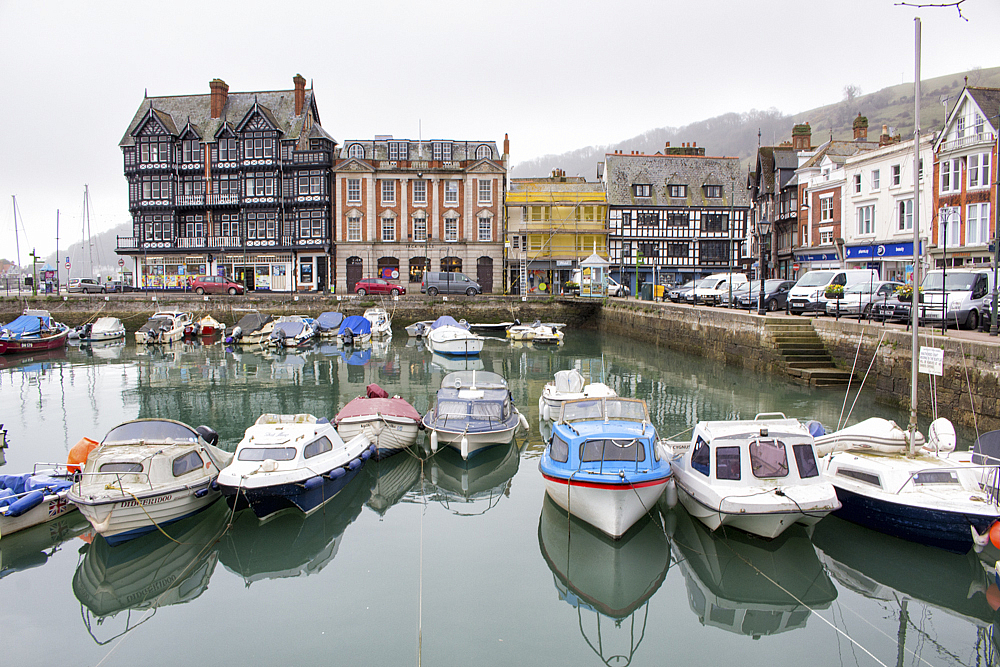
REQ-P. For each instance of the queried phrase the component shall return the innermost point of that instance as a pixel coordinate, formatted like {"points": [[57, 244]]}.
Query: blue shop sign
{"points": [[817, 257], [881, 251]]}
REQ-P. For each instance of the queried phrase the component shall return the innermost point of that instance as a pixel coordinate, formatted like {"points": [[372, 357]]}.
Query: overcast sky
{"points": [[555, 75]]}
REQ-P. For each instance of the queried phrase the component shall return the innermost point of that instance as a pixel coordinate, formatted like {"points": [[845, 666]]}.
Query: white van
{"points": [[969, 293], [809, 293], [709, 290]]}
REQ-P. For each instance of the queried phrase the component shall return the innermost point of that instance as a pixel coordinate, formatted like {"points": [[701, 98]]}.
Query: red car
{"points": [[378, 286], [214, 285]]}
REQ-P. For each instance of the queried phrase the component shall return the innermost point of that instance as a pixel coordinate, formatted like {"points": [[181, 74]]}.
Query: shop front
{"points": [[894, 261], [810, 261], [256, 272]]}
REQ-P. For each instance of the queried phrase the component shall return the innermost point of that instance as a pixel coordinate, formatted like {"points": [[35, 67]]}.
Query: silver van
{"points": [[969, 294], [809, 293], [443, 282]]}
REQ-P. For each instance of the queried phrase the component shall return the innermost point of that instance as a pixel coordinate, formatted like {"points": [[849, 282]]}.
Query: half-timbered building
{"points": [[233, 184], [675, 215], [405, 206]]}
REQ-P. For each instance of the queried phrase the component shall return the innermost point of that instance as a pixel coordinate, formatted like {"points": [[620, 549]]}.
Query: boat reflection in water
{"points": [[483, 479], [149, 572], [452, 364], [607, 581], [34, 546], [916, 581], [745, 584], [394, 477], [290, 543]]}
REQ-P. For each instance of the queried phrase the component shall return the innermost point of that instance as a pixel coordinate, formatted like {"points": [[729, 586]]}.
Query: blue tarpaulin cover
{"points": [[357, 325], [25, 325], [12, 486], [447, 321]]}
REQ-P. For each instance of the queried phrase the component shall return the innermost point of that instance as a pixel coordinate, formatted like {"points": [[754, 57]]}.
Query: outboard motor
{"points": [[237, 334], [278, 337], [348, 337], [420, 328], [86, 330], [208, 434]]}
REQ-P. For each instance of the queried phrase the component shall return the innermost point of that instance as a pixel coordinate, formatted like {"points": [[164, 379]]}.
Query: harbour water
{"points": [[431, 560]]}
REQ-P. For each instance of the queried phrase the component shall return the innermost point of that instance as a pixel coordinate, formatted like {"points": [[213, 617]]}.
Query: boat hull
{"points": [[23, 345], [126, 518], [388, 434], [611, 508], [307, 495], [768, 524], [53, 505]]}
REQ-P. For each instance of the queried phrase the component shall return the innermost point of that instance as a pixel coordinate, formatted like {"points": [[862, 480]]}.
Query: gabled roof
{"points": [[177, 110], [625, 170], [837, 150], [988, 100]]}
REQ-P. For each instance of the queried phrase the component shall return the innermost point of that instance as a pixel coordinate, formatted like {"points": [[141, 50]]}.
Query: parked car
{"points": [[378, 286], [677, 293], [859, 300], [85, 285], [214, 285], [709, 289], [775, 295], [449, 282], [617, 289], [117, 286], [809, 293]]}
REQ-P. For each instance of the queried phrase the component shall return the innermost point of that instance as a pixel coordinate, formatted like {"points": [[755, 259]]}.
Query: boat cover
{"points": [[287, 329], [252, 322], [569, 382], [357, 357], [375, 391], [27, 325], [329, 321], [157, 323], [357, 324], [12, 486], [447, 321], [363, 406], [106, 325]]}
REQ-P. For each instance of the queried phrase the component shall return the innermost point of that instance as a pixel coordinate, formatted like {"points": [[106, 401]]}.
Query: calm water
{"points": [[439, 562]]}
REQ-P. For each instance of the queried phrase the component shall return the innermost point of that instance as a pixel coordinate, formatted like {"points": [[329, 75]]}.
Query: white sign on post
{"points": [[931, 361]]}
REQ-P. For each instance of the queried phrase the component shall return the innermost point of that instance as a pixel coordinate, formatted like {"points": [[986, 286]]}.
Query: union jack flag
{"points": [[57, 506]]}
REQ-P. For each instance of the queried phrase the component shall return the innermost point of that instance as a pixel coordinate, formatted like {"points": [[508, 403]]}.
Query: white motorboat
{"points": [[449, 337], [390, 423], [291, 331], [419, 329], [380, 321], [252, 329], [538, 333], [32, 498], [758, 475], [209, 326], [99, 331], [291, 461], [567, 386], [473, 411], [354, 330], [148, 473], [165, 326], [328, 323]]}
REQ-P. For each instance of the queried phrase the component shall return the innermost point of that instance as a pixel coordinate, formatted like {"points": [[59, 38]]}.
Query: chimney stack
{"points": [[802, 137], [506, 144], [300, 93], [860, 128], [219, 93]]}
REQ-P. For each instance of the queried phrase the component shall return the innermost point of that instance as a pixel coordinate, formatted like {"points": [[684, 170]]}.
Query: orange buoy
{"points": [[993, 597], [78, 455], [995, 534]]}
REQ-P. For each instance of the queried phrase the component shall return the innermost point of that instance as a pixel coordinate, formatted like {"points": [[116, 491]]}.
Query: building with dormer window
{"points": [[404, 207], [231, 184]]}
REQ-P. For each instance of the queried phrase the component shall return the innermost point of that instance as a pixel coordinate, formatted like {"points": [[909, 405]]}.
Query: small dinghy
{"points": [[389, 422], [453, 338], [209, 326], [291, 461], [567, 386], [32, 498], [419, 329]]}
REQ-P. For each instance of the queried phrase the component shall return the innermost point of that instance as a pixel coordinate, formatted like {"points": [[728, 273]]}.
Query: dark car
{"points": [[378, 286], [214, 285], [117, 286], [678, 293], [775, 295]]}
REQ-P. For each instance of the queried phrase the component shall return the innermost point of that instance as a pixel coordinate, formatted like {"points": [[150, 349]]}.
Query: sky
{"points": [[554, 75]]}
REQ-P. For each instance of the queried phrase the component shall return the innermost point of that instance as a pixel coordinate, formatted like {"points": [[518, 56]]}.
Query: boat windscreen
{"points": [[473, 410], [768, 458], [262, 453], [596, 409], [612, 449], [151, 430]]}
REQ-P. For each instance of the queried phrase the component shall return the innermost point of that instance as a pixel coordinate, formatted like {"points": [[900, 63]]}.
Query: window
{"points": [[354, 190], [904, 215], [229, 224], [485, 192], [647, 218], [311, 224], [450, 191], [677, 250], [388, 192], [419, 228], [188, 463], [417, 267], [949, 221], [626, 218], [420, 192], [264, 453], [727, 463], [714, 252], [979, 170], [805, 459], [263, 225], [677, 191], [259, 185], [317, 447], [354, 228], [857, 184], [714, 222], [713, 191], [979, 124], [194, 226], [826, 237], [228, 184], [649, 250], [826, 209], [768, 458], [485, 228], [875, 179], [896, 174], [398, 150], [310, 185], [701, 456], [190, 150], [484, 152], [442, 151], [645, 190], [977, 228], [960, 126], [612, 449], [356, 151], [951, 171], [451, 229], [153, 151], [677, 219], [227, 150], [559, 450], [118, 466], [258, 148], [388, 229], [866, 220], [156, 187]]}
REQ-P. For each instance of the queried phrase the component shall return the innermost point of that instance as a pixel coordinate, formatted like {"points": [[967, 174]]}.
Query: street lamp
{"points": [[763, 227]]}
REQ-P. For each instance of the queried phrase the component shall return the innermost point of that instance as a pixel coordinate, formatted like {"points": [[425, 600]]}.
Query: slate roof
{"points": [[176, 111], [838, 150], [658, 171], [988, 100]]}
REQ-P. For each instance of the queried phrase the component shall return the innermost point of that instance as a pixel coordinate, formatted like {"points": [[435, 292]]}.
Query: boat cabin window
{"points": [[700, 456], [262, 453], [612, 449], [805, 459], [151, 430], [865, 477], [317, 447], [559, 450], [727, 462], [120, 466], [768, 458], [582, 410], [187, 463], [936, 477]]}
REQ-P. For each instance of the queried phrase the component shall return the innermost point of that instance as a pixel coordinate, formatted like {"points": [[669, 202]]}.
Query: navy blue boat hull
{"points": [[306, 496]]}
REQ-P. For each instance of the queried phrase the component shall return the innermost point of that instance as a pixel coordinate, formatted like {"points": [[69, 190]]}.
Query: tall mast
{"points": [[86, 222], [17, 242], [57, 254], [915, 299]]}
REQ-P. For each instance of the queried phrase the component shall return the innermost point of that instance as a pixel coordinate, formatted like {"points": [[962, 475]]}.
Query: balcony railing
{"points": [[191, 242], [969, 140], [224, 242], [230, 199], [190, 200], [127, 242]]}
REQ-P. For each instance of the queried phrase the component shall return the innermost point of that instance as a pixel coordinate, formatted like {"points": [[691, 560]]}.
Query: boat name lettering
{"points": [[147, 501]]}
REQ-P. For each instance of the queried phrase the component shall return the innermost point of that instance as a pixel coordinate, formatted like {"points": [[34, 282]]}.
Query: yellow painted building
{"points": [[553, 224]]}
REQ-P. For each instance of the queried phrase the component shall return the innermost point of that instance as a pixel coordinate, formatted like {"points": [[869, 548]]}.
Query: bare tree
{"points": [[851, 93], [957, 4]]}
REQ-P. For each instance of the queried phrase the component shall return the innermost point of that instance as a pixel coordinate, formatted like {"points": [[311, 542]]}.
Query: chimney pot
{"points": [[300, 93]]}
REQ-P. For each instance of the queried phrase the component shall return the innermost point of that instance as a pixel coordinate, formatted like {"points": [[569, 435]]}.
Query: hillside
{"points": [[735, 134]]}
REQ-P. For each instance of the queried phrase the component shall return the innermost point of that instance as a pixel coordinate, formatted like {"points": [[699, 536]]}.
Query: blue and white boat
{"points": [[603, 463], [292, 331], [32, 498], [328, 324], [353, 330], [291, 461], [453, 338], [473, 411]]}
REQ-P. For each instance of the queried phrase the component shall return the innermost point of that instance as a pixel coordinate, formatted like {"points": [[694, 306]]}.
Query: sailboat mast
{"points": [[86, 213], [57, 254], [17, 242], [915, 298]]}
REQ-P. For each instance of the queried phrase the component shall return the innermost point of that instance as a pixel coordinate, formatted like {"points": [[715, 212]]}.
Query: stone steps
{"points": [[804, 355]]}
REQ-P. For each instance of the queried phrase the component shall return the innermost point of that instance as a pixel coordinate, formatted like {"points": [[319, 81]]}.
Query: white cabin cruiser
{"points": [[291, 331], [165, 326], [449, 337], [380, 321], [104, 329], [538, 332], [567, 386]]}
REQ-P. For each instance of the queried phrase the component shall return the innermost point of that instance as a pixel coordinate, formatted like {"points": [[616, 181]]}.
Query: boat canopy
{"points": [[329, 321], [604, 409], [448, 321], [252, 322], [356, 324], [13, 486], [150, 430], [456, 411], [569, 382], [27, 325], [287, 329], [473, 379]]}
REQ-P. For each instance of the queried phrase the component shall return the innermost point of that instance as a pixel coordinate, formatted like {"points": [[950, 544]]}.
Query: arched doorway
{"points": [[484, 273], [451, 265], [355, 270]]}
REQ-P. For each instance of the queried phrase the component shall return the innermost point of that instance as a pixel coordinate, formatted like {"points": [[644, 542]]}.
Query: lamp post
{"points": [[763, 227], [996, 245]]}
